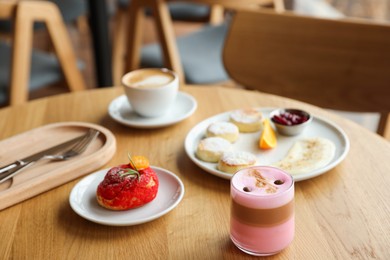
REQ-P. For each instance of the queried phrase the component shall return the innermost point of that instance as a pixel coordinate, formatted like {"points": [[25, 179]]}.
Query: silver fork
{"points": [[77, 149]]}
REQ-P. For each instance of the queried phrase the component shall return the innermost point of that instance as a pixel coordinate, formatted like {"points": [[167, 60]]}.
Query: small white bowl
{"points": [[296, 127]]}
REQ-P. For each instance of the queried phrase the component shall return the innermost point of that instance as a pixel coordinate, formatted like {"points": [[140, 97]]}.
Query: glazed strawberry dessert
{"points": [[128, 186]]}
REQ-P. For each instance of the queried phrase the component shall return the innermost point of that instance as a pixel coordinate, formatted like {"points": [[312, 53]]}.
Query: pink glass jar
{"points": [[262, 210]]}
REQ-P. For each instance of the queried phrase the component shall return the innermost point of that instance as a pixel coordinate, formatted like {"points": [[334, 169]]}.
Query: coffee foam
{"points": [[149, 79]]}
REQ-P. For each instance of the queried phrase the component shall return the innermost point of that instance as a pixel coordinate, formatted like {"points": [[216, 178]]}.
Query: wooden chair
{"points": [[23, 15], [179, 11], [338, 64], [318, 8], [196, 56], [167, 40], [198, 13]]}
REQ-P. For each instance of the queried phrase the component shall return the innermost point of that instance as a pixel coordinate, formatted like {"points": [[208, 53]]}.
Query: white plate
{"points": [[319, 127], [121, 111], [83, 200]]}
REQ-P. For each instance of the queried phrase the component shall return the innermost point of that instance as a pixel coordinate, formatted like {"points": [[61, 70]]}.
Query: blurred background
{"points": [[378, 10]]}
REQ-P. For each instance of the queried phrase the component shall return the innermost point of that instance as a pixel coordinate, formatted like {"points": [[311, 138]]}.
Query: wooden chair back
{"points": [[338, 64], [24, 14]]}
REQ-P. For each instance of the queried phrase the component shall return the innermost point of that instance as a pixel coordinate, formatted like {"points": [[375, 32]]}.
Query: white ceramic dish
{"points": [[319, 127], [83, 200], [121, 111]]}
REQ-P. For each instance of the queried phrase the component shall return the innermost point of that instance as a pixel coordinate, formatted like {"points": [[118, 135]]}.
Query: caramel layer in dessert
{"points": [[262, 217]]}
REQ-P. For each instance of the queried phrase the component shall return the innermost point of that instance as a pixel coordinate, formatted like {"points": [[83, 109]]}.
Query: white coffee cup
{"points": [[151, 92]]}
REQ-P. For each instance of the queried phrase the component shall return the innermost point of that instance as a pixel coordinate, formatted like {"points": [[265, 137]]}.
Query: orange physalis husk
{"points": [[139, 162]]}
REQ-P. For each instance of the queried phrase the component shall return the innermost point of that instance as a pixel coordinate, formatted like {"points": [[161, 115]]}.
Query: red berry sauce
{"points": [[290, 117]]}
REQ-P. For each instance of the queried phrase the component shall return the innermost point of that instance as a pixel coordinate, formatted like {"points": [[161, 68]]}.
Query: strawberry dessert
{"points": [[128, 186]]}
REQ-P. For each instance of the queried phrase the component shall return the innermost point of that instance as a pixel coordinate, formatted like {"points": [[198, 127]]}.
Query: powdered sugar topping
{"points": [[215, 144], [246, 115], [219, 128], [238, 158]]}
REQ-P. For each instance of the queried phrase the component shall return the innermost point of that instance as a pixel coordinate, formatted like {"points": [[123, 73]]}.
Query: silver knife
{"points": [[5, 170]]}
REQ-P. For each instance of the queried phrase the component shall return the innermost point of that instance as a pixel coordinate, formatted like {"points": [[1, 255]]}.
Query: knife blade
{"points": [[5, 170]]}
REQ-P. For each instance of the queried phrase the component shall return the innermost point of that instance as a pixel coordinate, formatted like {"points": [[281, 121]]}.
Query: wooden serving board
{"points": [[45, 175]]}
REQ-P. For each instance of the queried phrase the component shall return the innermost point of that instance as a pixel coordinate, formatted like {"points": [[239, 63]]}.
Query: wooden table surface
{"points": [[343, 214]]}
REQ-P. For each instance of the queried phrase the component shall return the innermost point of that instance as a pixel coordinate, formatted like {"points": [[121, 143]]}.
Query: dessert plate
{"points": [[120, 110], [319, 127], [83, 200]]}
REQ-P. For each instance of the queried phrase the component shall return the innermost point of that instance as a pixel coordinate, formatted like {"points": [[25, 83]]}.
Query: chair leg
{"points": [[21, 58], [26, 13], [164, 29], [64, 50], [217, 13], [167, 37], [119, 48], [386, 131], [82, 24], [384, 125], [134, 35], [279, 6]]}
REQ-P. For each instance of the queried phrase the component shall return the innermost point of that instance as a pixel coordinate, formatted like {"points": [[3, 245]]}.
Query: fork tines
{"points": [[82, 145]]}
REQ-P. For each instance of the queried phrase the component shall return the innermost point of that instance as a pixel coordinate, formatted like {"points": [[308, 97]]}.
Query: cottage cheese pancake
{"points": [[247, 120], [211, 149], [226, 130], [307, 155], [232, 161]]}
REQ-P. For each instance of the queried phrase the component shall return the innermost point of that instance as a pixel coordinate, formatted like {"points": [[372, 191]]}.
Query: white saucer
{"points": [[83, 200], [121, 111]]}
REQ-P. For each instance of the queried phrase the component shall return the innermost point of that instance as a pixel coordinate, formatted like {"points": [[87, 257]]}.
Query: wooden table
{"points": [[343, 214]]}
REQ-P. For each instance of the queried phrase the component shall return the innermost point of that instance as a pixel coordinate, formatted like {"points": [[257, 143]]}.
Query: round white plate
{"points": [[83, 200], [121, 111], [319, 127]]}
